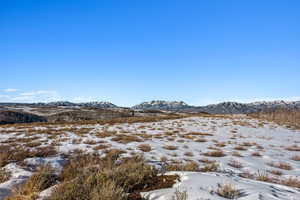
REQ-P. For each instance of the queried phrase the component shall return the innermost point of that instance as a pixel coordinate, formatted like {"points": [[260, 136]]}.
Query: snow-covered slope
{"points": [[259, 147]]}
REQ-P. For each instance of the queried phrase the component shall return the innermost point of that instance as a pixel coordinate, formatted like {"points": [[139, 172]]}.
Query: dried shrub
{"points": [[235, 164], [125, 139], [228, 191], [218, 153], [292, 182], [293, 148], [275, 172], [108, 178], [240, 148], [281, 165], [188, 166], [180, 195], [200, 140], [189, 154], [170, 147], [39, 181], [237, 154], [145, 147], [295, 158], [256, 154], [4, 175], [211, 167]]}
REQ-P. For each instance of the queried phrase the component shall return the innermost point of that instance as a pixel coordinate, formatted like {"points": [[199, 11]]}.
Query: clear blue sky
{"points": [[126, 52]]}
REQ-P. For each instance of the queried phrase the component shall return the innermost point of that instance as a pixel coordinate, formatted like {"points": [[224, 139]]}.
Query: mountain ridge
{"points": [[229, 107]]}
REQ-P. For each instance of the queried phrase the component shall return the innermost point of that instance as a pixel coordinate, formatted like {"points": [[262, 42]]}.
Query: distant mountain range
{"points": [[221, 108], [180, 106]]}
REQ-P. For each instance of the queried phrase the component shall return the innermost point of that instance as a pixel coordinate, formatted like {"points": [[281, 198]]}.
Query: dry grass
{"points": [[189, 154], [290, 118], [237, 154], [90, 142], [264, 176], [218, 153], [39, 181], [170, 147], [180, 195], [125, 139], [18, 153], [88, 176], [101, 147], [200, 140], [293, 148], [256, 154], [188, 166], [276, 172], [205, 160], [292, 182], [199, 134], [221, 144], [4, 175], [228, 191], [281, 165], [129, 120], [145, 147], [240, 148], [295, 158], [211, 167], [235, 164]]}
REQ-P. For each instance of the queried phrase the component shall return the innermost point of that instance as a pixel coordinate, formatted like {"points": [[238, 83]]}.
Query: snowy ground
{"points": [[249, 146]]}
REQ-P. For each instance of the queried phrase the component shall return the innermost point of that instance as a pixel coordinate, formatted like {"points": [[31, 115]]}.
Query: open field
{"points": [[215, 157]]}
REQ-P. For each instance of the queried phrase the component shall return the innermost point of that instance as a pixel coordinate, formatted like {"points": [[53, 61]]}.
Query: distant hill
{"points": [[11, 117], [162, 105], [175, 106], [221, 108], [93, 104]]}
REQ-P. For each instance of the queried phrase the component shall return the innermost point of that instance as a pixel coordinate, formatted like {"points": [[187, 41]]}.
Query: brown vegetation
{"points": [[228, 191], [39, 181], [218, 153], [110, 178], [290, 118], [145, 147], [170, 147]]}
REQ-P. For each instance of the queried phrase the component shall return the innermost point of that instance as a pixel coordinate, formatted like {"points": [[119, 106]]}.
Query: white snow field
{"points": [[258, 158]]}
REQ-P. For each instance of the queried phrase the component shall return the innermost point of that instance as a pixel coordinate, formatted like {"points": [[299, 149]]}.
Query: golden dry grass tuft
{"points": [[88, 176], [295, 157], [236, 164], [188, 166], [145, 147], [4, 175], [125, 139], [281, 165], [217, 153], [228, 191], [293, 148], [170, 147], [39, 181]]}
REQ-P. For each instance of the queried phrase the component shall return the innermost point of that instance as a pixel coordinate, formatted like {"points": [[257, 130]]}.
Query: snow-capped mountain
{"points": [[94, 104], [98, 104], [59, 103], [180, 106], [162, 105], [220, 108]]}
